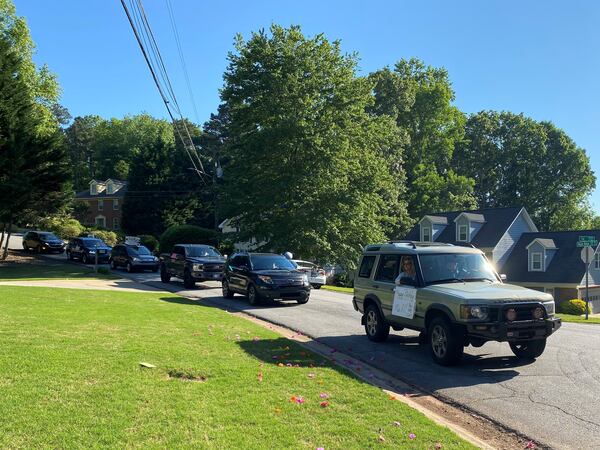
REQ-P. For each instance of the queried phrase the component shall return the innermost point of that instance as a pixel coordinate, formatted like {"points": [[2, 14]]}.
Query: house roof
{"points": [[565, 266], [442, 220], [473, 217], [496, 222], [120, 190]]}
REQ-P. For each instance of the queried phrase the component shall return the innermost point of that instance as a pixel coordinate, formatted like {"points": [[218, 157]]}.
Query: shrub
{"points": [[109, 237], [149, 241], [575, 307], [186, 234], [64, 226], [103, 270], [343, 279]]}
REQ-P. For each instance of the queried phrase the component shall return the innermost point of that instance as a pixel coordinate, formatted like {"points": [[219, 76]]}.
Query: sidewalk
{"points": [[122, 284]]}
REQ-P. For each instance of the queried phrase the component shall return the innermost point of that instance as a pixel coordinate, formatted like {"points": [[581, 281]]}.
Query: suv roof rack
{"points": [[421, 243]]}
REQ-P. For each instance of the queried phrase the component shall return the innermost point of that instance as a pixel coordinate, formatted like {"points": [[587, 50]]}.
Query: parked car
{"points": [[316, 275], [42, 241], [264, 276], [192, 263], [453, 296], [87, 249], [133, 257]]}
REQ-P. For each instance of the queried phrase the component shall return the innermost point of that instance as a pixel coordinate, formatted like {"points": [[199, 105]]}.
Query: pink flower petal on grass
{"points": [[531, 445], [438, 446], [324, 395], [412, 436]]}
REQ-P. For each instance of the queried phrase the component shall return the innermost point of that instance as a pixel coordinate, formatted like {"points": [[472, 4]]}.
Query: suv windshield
{"points": [[141, 250], [271, 262], [93, 243], [48, 237], [455, 267], [202, 251]]}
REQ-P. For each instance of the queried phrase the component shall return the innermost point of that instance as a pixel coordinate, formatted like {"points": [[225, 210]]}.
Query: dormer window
{"points": [[426, 234], [93, 188], [463, 233], [596, 260], [536, 261], [110, 188]]}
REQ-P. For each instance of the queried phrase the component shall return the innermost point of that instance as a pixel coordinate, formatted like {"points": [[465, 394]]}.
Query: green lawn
{"points": [[346, 290], [578, 319], [70, 378], [47, 270]]}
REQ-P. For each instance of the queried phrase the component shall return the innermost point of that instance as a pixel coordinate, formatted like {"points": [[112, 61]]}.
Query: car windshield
{"points": [[48, 237], [456, 267], [200, 251], [271, 262], [93, 243], [141, 250]]}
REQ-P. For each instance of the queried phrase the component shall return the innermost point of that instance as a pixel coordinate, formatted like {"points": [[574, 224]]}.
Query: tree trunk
{"points": [[5, 252], [3, 230]]}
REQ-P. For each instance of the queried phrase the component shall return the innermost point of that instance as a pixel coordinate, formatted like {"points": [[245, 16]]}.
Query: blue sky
{"points": [[541, 58]]}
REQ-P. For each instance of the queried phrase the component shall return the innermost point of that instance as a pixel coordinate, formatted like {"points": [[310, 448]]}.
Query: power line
{"points": [[164, 91]]}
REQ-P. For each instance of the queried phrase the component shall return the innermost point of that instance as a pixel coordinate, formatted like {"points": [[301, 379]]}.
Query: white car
{"points": [[316, 275]]}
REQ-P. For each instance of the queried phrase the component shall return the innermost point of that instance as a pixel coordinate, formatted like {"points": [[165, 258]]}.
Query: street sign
{"points": [[587, 253], [586, 242], [587, 238]]}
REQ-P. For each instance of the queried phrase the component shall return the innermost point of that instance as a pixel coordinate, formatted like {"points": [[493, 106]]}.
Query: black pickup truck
{"points": [[192, 263]]}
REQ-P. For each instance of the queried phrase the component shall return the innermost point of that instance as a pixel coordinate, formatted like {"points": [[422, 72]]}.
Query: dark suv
{"points": [[87, 249], [42, 241], [133, 257], [264, 275]]}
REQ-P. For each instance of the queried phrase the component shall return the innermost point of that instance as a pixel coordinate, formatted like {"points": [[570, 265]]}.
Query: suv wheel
{"points": [[164, 275], [25, 247], [376, 327], [302, 301], [227, 293], [253, 297], [528, 349], [113, 265], [445, 341], [188, 281], [129, 267], [84, 259]]}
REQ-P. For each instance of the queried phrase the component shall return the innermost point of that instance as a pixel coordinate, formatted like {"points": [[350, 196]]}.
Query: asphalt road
{"points": [[554, 400]]}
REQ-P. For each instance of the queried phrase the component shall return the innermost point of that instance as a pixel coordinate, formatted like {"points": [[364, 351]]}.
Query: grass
{"points": [[578, 319], [346, 290], [70, 377], [47, 271]]}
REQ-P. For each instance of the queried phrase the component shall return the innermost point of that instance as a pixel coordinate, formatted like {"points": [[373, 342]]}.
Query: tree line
{"points": [[315, 157]]}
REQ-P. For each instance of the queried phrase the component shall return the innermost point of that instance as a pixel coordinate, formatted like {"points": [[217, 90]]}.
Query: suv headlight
{"points": [[135, 259], [550, 308], [197, 267], [476, 312], [92, 252], [265, 279]]}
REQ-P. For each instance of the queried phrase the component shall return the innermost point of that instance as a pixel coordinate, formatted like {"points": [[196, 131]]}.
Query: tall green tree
{"points": [[516, 160], [419, 99], [81, 139], [309, 169], [33, 162]]}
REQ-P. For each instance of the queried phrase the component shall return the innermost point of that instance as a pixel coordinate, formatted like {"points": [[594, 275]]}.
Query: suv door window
{"points": [[235, 261], [366, 267], [388, 268], [244, 262]]}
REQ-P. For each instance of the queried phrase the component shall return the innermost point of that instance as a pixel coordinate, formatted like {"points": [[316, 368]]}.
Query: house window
{"points": [[110, 188], [536, 261], [463, 233], [596, 260], [115, 223], [100, 205], [116, 203], [93, 189], [100, 221], [426, 234]]}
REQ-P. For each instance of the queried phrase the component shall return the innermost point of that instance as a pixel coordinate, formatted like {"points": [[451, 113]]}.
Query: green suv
{"points": [[453, 296]]}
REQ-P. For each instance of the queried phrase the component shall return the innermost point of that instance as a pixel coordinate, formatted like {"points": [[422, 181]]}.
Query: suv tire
{"points": [[129, 267], [113, 265], [164, 275], [188, 281], [253, 296], [302, 301], [84, 259], [528, 349], [445, 342], [227, 293], [376, 327]]}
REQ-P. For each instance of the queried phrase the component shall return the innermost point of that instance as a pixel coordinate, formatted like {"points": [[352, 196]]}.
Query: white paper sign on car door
{"points": [[405, 300]]}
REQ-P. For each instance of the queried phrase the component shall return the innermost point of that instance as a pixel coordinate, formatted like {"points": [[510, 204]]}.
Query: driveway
{"points": [[554, 400]]}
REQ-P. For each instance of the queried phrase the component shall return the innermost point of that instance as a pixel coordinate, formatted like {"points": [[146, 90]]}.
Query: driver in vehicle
{"points": [[407, 270]]}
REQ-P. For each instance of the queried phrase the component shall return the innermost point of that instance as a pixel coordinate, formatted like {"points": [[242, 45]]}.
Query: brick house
{"points": [[104, 201]]}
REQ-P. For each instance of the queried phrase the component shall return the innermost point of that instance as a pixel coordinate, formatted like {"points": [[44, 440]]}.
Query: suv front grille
{"points": [[524, 312], [213, 267]]}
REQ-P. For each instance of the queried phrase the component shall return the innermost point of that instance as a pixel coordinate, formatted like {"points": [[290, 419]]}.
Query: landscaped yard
{"points": [[578, 319], [346, 290], [70, 376], [28, 267]]}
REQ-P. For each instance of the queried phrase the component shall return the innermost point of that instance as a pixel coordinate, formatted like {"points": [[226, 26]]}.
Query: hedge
{"points": [[149, 241], [187, 234]]}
